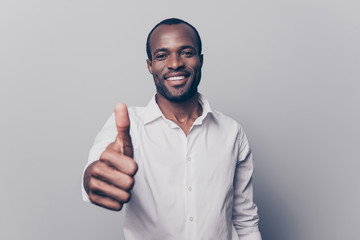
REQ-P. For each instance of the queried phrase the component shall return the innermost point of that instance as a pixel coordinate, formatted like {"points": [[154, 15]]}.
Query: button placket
{"points": [[190, 190]]}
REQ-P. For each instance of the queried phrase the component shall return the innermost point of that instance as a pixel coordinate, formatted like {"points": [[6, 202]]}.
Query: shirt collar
{"points": [[152, 110]]}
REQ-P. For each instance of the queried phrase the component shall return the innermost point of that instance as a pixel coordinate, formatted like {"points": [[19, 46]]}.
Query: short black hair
{"points": [[172, 21]]}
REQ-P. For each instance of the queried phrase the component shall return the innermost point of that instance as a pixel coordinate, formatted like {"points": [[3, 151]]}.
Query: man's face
{"points": [[176, 64]]}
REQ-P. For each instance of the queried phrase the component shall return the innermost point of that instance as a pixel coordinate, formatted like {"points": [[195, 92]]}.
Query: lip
{"points": [[176, 76], [176, 81]]}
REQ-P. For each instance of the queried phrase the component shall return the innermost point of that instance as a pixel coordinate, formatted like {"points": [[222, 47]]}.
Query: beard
{"points": [[180, 94]]}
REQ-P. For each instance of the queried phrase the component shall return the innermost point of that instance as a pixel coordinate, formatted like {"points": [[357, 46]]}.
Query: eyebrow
{"points": [[188, 46], [160, 50], [181, 48]]}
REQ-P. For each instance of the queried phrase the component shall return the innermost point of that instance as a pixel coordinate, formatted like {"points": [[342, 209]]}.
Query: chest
{"points": [[206, 156]]}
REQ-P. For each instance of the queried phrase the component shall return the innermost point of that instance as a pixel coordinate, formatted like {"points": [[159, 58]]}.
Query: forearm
{"points": [[245, 217]]}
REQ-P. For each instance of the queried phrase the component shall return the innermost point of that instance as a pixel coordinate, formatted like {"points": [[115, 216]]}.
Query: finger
{"points": [[105, 202], [107, 190], [122, 120], [114, 177], [120, 162]]}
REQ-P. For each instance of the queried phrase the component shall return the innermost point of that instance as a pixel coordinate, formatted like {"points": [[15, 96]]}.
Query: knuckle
{"points": [[95, 171], [92, 183], [127, 197], [92, 197], [104, 155], [133, 167], [129, 182], [105, 202], [118, 207], [107, 154], [110, 146]]}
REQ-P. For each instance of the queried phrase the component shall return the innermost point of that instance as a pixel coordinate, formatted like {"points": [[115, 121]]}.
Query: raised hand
{"points": [[109, 180]]}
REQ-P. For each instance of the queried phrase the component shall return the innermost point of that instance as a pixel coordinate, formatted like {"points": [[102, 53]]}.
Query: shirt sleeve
{"points": [[106, 135], [244, 216]]}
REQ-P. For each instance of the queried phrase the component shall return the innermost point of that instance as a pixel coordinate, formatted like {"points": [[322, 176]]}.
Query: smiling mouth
{"points": [[175, 78]]}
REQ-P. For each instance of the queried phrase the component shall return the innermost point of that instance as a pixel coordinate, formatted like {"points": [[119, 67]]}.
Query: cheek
{"points": [[158, 70], [196, 69], [195, 65]]}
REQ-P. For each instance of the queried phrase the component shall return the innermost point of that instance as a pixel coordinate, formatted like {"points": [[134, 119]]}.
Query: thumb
{"points": [[123, 139]]}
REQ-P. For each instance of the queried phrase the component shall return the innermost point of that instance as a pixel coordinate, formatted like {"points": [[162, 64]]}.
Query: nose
{"points": [[175, 61]]}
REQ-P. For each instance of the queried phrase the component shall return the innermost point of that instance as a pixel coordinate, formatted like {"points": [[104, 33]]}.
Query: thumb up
{"points": [[123, 140], [109, 180]]}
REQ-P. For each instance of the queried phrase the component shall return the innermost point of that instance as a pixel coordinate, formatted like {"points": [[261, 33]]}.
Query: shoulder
{"points": [[230, 127], [218, 117], [226, 121]]}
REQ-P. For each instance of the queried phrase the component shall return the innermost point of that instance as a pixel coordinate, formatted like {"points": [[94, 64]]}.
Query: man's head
{"points": [[172, 21], [175, 59]]}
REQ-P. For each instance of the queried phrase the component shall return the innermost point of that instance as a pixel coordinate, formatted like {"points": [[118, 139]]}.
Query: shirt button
{"points": [[191, 219], [190, 188], [188, 159]]}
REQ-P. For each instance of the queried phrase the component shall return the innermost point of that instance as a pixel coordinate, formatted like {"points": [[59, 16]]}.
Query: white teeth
{"points": [[175, 78]]}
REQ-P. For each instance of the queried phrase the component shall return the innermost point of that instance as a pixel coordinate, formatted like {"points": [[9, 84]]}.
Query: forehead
{"points": [[172, 36]]}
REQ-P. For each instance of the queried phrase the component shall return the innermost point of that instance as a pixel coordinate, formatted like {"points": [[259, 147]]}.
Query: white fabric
{"points": [[187, 187]]}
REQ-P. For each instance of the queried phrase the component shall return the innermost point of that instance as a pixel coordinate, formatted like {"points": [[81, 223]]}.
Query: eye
{"points": [[188, 53], [160, 57]]}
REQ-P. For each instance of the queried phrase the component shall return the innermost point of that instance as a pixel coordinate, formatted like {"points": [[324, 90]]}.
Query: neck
{"points": [[182, 113]]}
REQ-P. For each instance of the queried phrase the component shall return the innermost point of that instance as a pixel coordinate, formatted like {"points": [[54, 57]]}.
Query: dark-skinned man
{"points": [[182, 170]]}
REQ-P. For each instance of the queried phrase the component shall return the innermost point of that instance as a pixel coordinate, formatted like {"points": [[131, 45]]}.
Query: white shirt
{"points": [[194, 187]]}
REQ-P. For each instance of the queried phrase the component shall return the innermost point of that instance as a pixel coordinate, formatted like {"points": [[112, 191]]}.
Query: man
{"points": [[187, 167]]}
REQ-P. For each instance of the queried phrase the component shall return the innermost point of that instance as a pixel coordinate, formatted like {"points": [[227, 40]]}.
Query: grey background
{"points": [[287, 70]]}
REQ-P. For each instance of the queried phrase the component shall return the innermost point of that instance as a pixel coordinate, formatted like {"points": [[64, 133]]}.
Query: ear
{"points": [[201, 59], [149, 65]]}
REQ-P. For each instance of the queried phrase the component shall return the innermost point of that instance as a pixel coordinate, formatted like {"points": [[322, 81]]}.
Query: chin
{"points": [[180, 98]]}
